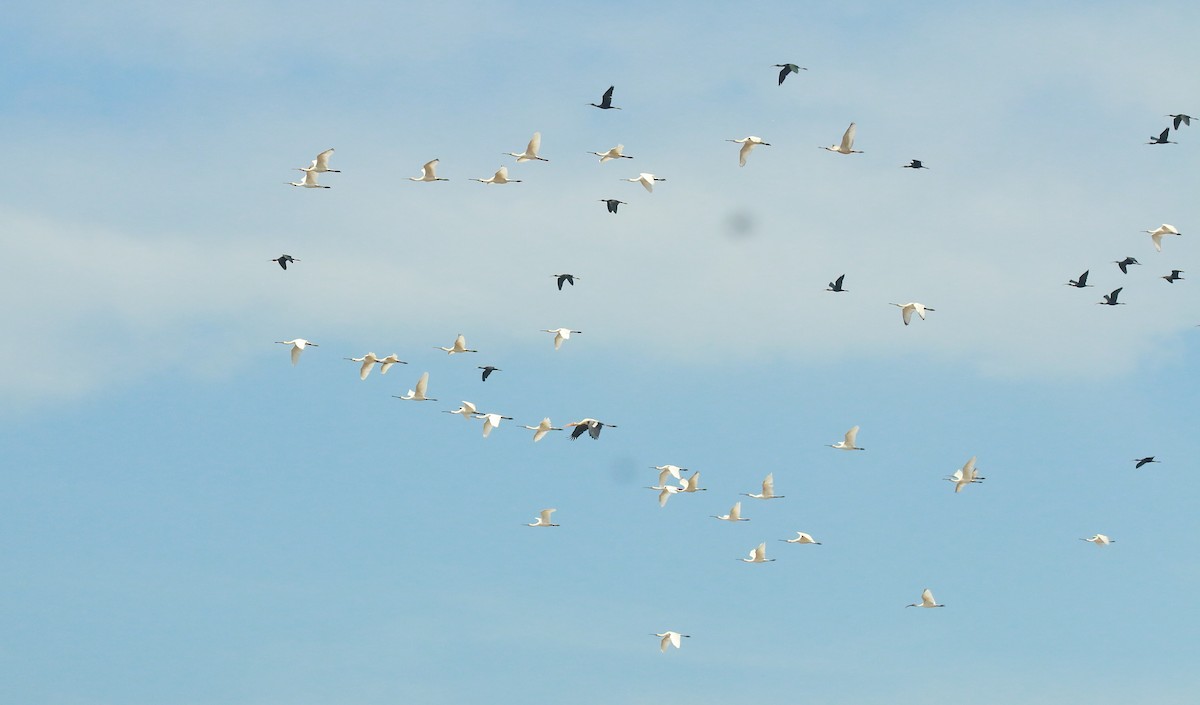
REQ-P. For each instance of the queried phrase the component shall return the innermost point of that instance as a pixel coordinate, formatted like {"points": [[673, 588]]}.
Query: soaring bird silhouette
{"points": [[606, 101], [1081, 282], [1162, 138], [1142, 461], [1174, 276], [836, 284], [568, 278], [1181, 118], [1111, 299], [612, 204], [788, 68], [488, 370], [1123, 263], [591, 426], [284, 260], [916, 164]]}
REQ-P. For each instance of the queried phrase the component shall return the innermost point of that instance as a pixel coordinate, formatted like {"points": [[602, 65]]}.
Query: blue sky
{"points": [[189, 519]]}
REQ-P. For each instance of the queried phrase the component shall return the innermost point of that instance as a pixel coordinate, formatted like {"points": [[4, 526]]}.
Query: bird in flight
{"points": [[368, 361], [1081, 282], [787, 69], [1100, 540], [298, 346], [1157, 233], [965, 476], [906, 310], [758, 554], [488, 370], [531, 150], [1173, 276], [671, 638], [466, 410], [310, 181], [386, 363], [500, 177], [916, 164], [748, 143], [1111, 299], [847, 443], [285, 260], [1123, 263], [560, 334], [735, 514], [614, 153], [568, 278], [320, 164], [926, 600], [847, 145], [612, 204], [606, 101], [1181, 118], [646, 180], [543, 518], [592, 426], [768, 489], [491, 421], [418, 394], [801, 537], [428, 172], [1142, 461], [1162, 138], [460, 346], [836, 284], [540, 431]]}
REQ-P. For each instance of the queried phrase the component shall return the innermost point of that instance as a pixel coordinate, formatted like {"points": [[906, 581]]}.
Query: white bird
{"points": [[467, 410], [491, 421], [419, 393], [298, 346], [386, 363], [665, 492], [757, 554], [926, 600], [320, 164], [646, 180], [1157, 233], [847, 145], [460, 346], [768, 489], [671, 638], [428, 172], [500, 177], [906, 310], [368, 361], [965, 476], [310, 181], [543, 518], [614, 153], [665, 470], [531, 151], [692, 483], [848, 442], [748, 143], [542, 429], [1100, 540], [735, 514], [592, 426], [801, 537], [560, 334]]}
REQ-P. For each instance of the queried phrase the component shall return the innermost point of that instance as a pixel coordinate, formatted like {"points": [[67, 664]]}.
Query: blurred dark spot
{"points": [[623, 470], [740, 225]]}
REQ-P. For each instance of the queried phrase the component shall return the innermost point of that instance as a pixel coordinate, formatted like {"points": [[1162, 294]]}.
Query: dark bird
{"points": [[568, 278], [916, 164], [1111, 299], [1162, 138], [1181, 118], [606, 101], [1174, 276], [788, 68], [283, 260], [488, 370], [612, 204], [1081, 282], [592, 426], [1125, 263], [836, 284], [1142, 461]]}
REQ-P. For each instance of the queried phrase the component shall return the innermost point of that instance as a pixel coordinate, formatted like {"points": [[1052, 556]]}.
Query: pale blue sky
{"points": [[187, 519]]}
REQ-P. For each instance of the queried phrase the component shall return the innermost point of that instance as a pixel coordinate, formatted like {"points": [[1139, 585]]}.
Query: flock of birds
{"points": [[671, 478]]}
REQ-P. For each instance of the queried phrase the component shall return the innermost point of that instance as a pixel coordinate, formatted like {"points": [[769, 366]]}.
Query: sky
{"points": [[188, 519]]}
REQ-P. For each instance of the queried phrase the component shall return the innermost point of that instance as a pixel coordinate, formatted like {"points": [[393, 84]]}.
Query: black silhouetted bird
{"points": [[1111, 299], [1162, 138], [1125, 263], [612, 204], [606, 101], [788, 68], [1081, 282], [1181, 118], [568, 278], [916, 164], [836, 284], [283, 260], [1142, 461], [1174, 276], [488, 370]]}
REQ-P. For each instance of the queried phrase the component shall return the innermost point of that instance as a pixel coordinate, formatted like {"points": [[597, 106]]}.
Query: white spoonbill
{"points": [[668, 470], [926, 600], [500, 177], [428, 172], [847, 145], [543, 518], [1100, 540], [540, 431], [298, 346], [693, 484], [646, 180], [368, 361], [906, 310], [531, 150], [467, 410], [491, 421], [965, 475], [592, 426], [848, 442], [768, 489], [320, 164], [1157, 234], [665, 492], [560, 334], [735, 514], [460, 346], [671, 638], [310, 181], [748, 143], [758, 554], [419, 393], [614, 153], [386, 363], [801, 537]]}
